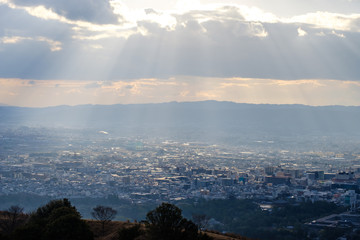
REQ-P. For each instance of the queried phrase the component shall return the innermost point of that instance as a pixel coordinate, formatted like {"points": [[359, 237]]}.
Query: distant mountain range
{"points": [[194, 120]]}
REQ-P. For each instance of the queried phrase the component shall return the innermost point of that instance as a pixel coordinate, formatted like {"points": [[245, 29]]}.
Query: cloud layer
{"points": [[94, 11], [225, 41], [42, 93]]}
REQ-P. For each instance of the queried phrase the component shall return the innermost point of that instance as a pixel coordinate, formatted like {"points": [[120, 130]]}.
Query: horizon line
{"points": [[177, 102]]}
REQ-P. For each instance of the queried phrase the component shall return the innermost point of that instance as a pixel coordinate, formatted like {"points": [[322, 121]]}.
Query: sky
{"points": [[67, 52]]}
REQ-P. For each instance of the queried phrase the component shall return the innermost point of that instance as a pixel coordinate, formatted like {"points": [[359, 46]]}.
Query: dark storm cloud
{"points": [[25, 43], [230, 48], [16, 22], [95, 11], [217, 43]]}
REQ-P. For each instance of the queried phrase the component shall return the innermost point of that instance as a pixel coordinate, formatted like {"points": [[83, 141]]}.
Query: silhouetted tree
{"points": [[12, 218], [104, 215], [166, 222], [57, 220], [67, 226], [130, 233]]}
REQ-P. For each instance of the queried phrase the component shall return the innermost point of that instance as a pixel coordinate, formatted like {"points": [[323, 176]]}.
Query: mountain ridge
{"points": [[203, 121], [178, 102]]}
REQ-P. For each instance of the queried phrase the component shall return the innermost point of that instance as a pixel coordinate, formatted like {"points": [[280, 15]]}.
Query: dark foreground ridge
{"points": [[113, 228], [59, 220]]}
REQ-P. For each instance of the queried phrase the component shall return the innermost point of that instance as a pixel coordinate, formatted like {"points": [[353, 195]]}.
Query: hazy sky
{"points": [[55, 52]]}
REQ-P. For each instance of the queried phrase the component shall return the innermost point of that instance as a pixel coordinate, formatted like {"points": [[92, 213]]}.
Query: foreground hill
{"points": [[60, 220], [112, 228]]}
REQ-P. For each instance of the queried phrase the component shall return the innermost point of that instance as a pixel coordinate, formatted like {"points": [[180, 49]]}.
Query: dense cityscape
{"points": [[163, 170], [62, 164]]}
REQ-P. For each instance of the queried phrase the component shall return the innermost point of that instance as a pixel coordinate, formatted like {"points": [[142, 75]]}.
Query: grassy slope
{"points": [[112, 228]]}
